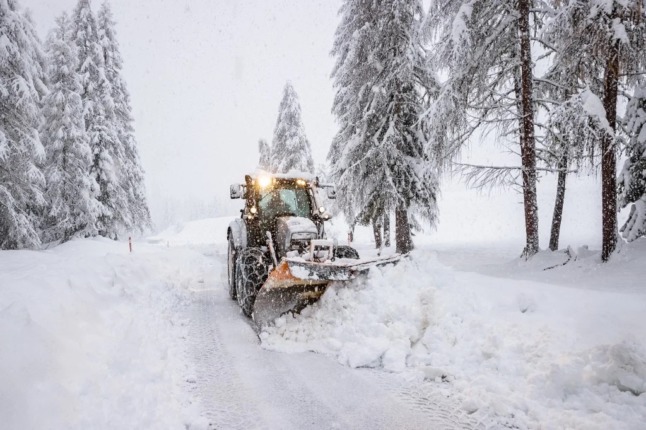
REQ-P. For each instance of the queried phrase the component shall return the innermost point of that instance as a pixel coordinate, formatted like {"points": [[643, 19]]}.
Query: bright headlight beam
{"points": [[264, 181]]}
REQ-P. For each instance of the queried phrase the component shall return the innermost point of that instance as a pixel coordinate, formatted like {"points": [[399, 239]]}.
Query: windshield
{"points": [[285, 201]]}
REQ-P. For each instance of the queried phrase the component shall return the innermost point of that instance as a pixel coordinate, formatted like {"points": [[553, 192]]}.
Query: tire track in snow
{"points": [[442, 411], [217, 384], [264, 384]]}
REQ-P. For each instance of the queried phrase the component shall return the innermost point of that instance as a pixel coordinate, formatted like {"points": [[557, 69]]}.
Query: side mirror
{"points": [[236, 191], [331, 193]]}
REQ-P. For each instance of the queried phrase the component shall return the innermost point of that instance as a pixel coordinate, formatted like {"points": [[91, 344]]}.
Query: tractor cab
{"points": [[274, 202]]}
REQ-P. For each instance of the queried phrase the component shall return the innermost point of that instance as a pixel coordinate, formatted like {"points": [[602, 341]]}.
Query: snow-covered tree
{"points": [[99, 113], [486, 49], [572, 132], [290, 149], [611, 36], [131, 175], [264, 152], [378, 157], [632, 180], [22, 86], [72, 208]]}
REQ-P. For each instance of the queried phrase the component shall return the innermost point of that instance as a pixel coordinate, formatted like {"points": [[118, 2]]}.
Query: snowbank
{"points": [[90, 338], [210, 231], [529, 353]]}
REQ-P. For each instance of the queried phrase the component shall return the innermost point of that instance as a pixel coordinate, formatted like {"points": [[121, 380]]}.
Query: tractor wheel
{"points": [[252, 269], [344, 251], [231, 268]]}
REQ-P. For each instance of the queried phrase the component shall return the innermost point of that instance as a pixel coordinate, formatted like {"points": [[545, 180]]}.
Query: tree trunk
{"points": [[403, 240], [609, 155], [558, 204], [386, 229], [528, 146], [376, 230]]}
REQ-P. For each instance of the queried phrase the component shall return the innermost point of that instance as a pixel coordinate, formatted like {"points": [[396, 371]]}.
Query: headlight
{"points": [[253, 210], [321, 209]]}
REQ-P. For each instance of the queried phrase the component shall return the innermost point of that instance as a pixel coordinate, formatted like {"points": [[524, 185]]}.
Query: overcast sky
{"points": [[206, 78]]}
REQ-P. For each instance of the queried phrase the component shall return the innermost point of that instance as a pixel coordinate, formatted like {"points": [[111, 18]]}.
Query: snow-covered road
{"points": [[242, 386]]}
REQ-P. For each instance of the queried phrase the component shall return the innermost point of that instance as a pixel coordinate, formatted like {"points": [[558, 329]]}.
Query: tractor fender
{"points": [[238, 232]]}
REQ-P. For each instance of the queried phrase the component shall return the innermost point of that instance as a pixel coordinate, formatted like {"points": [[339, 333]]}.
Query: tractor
{"points": [[279, 258]]}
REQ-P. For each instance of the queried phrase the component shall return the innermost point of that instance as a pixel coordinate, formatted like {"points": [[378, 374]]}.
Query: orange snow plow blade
{"points": [[296, 283]]}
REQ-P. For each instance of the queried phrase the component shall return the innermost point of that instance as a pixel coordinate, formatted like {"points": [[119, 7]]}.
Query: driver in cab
{"points": [[274, 205]]}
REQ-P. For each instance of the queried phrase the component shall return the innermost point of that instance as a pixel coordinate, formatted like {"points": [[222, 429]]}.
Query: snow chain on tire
{"points": [[252, 269]]}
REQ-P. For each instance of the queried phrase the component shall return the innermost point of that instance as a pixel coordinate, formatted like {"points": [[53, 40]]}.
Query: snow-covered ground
{"points": [[458, 336]]}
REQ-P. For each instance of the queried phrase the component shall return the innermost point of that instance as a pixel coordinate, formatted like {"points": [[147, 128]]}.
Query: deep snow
{"points": [[94, 337], [89, 337]]}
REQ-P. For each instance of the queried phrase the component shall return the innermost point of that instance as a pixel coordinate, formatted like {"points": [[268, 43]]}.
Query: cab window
{"points": [[285, 201]]}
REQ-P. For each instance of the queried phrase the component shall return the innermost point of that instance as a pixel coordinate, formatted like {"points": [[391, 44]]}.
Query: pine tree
{"points": [[135, 214], [99, 113], [22, 86], [264, 151], [573, 130], [632, 180], [486, 48], [383, 89], [290, 149], [72, 207], [568, 95], [611, 35]]}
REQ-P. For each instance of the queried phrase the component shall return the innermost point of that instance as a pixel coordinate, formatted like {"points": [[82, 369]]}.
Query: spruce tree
{"points": [[383, 88], [290, 149], [22, 86], [99, 113], [72, 208], [632, 180], [131, 175]]}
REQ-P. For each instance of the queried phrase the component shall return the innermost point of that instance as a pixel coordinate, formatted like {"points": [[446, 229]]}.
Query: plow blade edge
{"points": [[296, 283]]}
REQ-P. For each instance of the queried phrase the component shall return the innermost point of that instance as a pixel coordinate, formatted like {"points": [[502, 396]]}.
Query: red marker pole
{"points": [[130, 243]]}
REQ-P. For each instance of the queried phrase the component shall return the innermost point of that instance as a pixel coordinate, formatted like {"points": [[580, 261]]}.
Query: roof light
{"points": [[264, 181], [301, 182]]}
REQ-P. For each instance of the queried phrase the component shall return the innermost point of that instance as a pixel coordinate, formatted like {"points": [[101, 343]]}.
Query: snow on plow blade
{"points": [[296, 283]]}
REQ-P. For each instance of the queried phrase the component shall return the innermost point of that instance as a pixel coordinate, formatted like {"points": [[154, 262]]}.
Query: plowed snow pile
{"points": [[533, 354], [90, 337]]}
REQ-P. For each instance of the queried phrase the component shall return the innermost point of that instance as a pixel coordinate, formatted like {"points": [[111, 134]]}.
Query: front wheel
{"points": [[252, 269]]}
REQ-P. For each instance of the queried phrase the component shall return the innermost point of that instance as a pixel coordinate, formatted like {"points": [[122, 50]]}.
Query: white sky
{"points": [[206, 78]]}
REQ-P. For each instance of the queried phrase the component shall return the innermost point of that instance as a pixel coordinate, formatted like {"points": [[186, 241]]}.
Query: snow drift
{"points": [[536, 354]]}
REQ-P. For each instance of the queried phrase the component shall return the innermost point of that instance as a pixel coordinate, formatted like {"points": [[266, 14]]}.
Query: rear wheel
{"points": [[344, 251], [231, 268], [252, 269]]}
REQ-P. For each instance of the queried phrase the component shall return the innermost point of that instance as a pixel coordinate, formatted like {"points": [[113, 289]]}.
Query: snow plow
{"points": [[279, 259]]}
